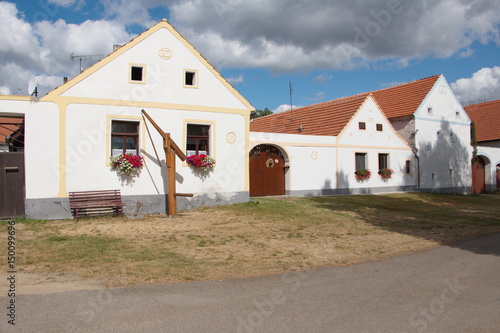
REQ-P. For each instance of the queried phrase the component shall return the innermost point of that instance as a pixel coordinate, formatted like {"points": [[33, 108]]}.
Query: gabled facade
{"points": [[322, 146], [72, 131], [486, 117], [427, 114]]}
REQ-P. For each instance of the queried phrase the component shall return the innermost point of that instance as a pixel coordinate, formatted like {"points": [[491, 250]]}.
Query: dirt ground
{"points": [[215, 244]]}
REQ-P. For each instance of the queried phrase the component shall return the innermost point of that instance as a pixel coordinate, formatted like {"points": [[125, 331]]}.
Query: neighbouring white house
{"points": [[427, 114], [71, 133], [486, 169], [424, 137], [316, 150]]}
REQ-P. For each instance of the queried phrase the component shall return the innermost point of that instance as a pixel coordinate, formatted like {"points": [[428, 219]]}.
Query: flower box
{"points": [[362, 175], [385, 174], [126, 164], [201, 161]]}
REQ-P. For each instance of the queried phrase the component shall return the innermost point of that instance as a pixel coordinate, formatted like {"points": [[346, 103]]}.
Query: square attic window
{"points": [[136, 73], [190, 78]]}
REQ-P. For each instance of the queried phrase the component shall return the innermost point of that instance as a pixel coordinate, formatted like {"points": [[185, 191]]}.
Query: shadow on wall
{"points": [[346, 189], [445, 163]]}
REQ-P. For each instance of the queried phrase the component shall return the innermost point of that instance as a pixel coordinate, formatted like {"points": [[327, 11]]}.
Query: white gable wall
{"points": [[353, 140], [164, 79], [443, 142]]}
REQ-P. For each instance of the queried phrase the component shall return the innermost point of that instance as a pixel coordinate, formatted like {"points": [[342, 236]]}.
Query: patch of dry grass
{"points": [[271, 236]]}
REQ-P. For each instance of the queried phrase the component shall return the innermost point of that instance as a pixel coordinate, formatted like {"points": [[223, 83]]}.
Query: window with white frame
{"points": [[198, 139], [124, 137]]}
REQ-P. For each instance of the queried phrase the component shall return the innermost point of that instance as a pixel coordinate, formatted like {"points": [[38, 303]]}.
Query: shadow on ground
{"points": [[442, 218]]}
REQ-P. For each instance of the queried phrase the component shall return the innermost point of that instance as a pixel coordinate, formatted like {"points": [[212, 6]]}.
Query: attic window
{"points": [[362, 125], [380, 127], [190, 78], [136, 73], [429, 111], [457, 114]]}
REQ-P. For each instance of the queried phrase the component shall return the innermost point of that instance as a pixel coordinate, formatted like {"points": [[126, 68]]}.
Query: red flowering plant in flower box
{"points": [[385, 174], [362, 175], [126, 164], [201, 161]]}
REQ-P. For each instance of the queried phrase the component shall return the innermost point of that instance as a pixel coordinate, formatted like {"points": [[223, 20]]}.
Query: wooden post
{"points": [[171, 150]]}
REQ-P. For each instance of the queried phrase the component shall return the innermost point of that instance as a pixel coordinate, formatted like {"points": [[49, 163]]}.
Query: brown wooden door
{"points": [[12, 192], [267, 171], [478, 174]]}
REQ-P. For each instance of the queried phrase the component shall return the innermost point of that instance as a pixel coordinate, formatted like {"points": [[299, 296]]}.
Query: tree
{"points": [[260, 113]]}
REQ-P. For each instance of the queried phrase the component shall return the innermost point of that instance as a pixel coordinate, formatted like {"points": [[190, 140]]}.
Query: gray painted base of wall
{"points": [[58, 208], [352, 191], [448, 190]]}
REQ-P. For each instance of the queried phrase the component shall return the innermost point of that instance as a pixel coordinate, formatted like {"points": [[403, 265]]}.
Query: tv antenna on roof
{"points": [[82, 57], [32, 87]]}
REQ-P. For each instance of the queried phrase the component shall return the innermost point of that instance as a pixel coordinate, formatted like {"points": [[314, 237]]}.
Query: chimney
{"points": [[65, 79], [116, 47]]}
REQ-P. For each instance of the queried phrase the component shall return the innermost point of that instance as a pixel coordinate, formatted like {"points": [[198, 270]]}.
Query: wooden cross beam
{"points": [[171, 150]]}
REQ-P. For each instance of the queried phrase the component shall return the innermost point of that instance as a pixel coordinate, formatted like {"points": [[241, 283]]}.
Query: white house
{"points": [[486, 170], [316, 150], [427, 114], [71, 132], [425, 139]]}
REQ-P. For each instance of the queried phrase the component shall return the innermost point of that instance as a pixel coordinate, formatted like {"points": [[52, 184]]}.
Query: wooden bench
{"points": [[92, 203]]}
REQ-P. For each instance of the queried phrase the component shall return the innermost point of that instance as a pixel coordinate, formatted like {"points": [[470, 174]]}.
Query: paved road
{"points": [[447, 289]]}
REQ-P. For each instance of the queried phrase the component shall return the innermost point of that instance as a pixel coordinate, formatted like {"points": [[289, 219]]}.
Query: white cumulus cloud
{"points": [[483, 86]]}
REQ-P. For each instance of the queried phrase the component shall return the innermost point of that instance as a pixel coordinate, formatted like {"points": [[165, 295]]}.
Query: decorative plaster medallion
{"points": [[314, 155], [165, 53], [443, 90], [231, 137]]}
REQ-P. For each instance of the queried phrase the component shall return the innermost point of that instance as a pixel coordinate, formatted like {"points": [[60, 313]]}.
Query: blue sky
{"points": [[327, 49]]}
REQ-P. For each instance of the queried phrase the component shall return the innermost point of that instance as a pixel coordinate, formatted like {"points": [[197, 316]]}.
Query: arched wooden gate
{"points": [[478, 175], [267, 171]]}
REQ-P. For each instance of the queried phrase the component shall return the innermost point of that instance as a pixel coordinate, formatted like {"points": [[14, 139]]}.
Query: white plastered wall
{"points": [[88, 151], [42, 150], [444, 157]]}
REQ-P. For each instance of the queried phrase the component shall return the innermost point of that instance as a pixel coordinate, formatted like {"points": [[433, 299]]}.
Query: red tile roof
{"points": [[486, 117], [329, 118], [6, 128], [404, 99]]}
